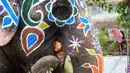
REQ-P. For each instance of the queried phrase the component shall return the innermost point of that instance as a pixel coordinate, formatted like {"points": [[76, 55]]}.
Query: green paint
{"points": [[35, 1], [60, 23], [25, 11], [75, 10], [48, 6]]}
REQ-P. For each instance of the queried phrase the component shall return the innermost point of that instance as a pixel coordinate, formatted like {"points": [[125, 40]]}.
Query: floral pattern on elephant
{"points": [[95, 69], [35, 27], [52, 36], [69, 21]]}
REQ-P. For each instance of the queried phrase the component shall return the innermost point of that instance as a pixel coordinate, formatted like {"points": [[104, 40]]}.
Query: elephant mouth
{"points": [[62, 10]]}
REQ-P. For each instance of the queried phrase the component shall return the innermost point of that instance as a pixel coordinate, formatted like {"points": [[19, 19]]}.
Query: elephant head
{"points": [[45, 23]]}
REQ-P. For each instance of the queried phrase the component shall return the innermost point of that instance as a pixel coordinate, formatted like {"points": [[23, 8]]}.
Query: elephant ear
{"points": [[9, 20], [6, 35]]}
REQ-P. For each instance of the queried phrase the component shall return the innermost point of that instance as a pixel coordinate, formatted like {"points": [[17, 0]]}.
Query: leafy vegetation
{"points": [[108, 47], [123, 20], [121, 8]]}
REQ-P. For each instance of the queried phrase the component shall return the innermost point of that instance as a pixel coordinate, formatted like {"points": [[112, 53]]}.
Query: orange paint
{"points": [[100, 63], [82, 25], [68, 46], [94, 69], [77, 51], [73, 37]]}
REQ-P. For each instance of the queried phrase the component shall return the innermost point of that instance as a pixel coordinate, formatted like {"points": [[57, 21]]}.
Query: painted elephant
{"points": [[48, 36]]}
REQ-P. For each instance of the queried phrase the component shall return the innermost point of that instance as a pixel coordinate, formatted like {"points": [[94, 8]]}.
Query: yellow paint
{"points": [[91, 51], [86, 12], [51, 69], [43, 25]]}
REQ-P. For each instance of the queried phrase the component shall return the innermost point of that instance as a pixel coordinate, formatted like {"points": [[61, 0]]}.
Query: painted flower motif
{"points": [[58, 22], [76, 43], [96, 44], [33, 37], [92, 67], [85, 25]]}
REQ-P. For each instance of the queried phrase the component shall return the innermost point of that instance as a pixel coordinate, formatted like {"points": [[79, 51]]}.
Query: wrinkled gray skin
{"points": [[14, 60]]}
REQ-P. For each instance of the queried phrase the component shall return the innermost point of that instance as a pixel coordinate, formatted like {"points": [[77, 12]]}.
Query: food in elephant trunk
{"points": [[58, 47], [60, 53]]}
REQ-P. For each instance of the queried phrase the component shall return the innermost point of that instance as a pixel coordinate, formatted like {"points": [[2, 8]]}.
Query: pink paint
{"points": [[6, 35]]}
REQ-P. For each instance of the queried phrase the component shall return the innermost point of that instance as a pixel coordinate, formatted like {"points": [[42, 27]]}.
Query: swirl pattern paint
{"points": [[11, 18], [36, 35]]}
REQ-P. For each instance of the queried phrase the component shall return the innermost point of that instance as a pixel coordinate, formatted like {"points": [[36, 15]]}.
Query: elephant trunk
{"points": [[62, 9], [44, 64]]}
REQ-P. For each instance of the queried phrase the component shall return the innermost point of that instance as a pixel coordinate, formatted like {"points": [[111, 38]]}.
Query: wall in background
{"points": [[111, 61]]}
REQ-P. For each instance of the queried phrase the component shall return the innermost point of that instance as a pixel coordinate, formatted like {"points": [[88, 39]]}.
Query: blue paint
{"points": [[31, 40], [6, 22], [10, 11], [78, 2], [1, 8], [73, 2], [83, 20], [51, 18], [73, 50], [86, 29], [70, 20]]}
